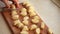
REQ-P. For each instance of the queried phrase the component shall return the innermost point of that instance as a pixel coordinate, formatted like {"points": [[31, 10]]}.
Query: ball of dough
{"points": [[50, 31], [42, 25], [15, 17], [14, 13], [33, 27], [37, 30], [26, 22], [26, 18], [28, 5], [32, 14], [35, 21], [36, 17], [31, 8], [23, 12], [20, 25], [25, 28], [24, 32], [17, 22]]}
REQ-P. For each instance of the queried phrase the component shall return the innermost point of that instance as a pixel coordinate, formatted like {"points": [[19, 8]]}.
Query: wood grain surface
{"points": [[7, 16]]}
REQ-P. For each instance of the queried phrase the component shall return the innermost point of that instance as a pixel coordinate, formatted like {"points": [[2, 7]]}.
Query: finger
{"points": [[16, 3], [6, 3]]}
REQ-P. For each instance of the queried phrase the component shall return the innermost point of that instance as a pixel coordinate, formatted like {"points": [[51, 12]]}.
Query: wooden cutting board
{"points": [[7, 16]]}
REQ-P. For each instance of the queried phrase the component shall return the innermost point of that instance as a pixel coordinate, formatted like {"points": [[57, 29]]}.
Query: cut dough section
{"points": [[37, 30], [26, 18], [14, 13], [25, 28], [18, 23], [31, 11], [50, 31], [26, 22], [23, 12], [15, 17], [24, 32], [42, 25], [35, 19], [33, 27]]}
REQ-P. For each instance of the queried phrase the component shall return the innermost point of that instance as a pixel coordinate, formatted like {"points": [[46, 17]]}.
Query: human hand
{"points": [[14, 2]]}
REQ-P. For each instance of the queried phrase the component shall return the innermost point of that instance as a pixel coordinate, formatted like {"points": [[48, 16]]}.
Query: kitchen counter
{"points": [[48, 11]]}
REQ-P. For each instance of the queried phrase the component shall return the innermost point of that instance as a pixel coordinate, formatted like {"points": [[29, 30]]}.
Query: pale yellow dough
{"points": [[42, 25], [23, 12], [35, 19], [26, 18], [37, 30], [24, 32], [26, 22], [18, 23], [15, 17], [33, 27], [14, 13], [25, 28], [50, 31]]}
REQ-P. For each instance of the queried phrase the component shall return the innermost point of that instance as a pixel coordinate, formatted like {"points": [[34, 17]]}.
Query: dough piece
{"points": [[35, 19], [31, 11], [26, 22], [18, 23], [42, 25], [25, 28], [32, 14], [31, 8], [14, 13], [23, 12], [24, 32], [26, 18], [50, 31], [37, 30], [33, 27], [15, 17]]}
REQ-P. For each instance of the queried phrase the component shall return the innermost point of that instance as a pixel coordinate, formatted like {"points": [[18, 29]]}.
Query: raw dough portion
{"points": [[18, 23], [35, 19], [26, 22], [50, 31], [15, 17], [24, 32], [33, 27], [23, 12], [42, 25], [14, 13], [37, 30], [31, 11], [26, 18], [25, 28]]}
